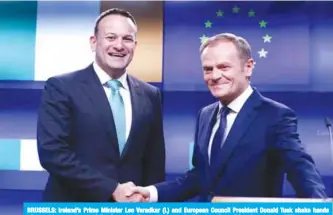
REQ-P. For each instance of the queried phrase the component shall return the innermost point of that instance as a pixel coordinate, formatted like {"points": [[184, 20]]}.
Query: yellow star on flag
{"points": [[203, 38], [208, 24], [219, 13]]}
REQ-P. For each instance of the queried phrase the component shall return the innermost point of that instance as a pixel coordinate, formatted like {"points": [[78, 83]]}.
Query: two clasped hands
{"points": [[128, 192]]}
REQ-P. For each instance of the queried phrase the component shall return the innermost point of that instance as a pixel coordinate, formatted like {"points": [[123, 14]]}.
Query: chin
{"points": [[117, 63], [117, 66], [217, 94]]}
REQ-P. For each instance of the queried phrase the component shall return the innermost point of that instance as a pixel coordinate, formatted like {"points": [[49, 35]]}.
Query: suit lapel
{"points": [[138, 104], [243, 120], [95, 92], [208, 122]]}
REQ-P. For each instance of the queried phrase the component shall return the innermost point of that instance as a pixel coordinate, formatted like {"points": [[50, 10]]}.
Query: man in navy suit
{"points": [[100, 129], [244, 143]]}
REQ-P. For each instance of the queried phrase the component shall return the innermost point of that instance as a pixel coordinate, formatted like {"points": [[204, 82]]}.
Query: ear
{"points": [[249, 66], [92, 41]]}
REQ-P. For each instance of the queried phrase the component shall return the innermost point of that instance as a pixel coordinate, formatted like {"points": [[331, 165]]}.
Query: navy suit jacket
{"points": [[77, 142], [262, 145]]}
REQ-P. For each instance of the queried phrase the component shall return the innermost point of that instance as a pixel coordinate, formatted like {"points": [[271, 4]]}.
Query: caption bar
{"points": [[286, 208]]}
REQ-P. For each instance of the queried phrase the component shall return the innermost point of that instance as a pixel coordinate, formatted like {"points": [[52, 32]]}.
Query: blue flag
{"points": [[278, 33]]}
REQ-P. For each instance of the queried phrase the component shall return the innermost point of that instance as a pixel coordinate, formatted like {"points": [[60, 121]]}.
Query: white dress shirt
{"points": [[235, 107], [124, 92]]}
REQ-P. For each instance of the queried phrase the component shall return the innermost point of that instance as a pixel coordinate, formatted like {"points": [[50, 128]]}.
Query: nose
{"points": [[216, 74], [118, 44]]}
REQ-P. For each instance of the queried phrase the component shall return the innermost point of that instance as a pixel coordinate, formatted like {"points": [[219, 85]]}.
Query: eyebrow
{"points": [[207, 67], [114, 34], [224, 64]]}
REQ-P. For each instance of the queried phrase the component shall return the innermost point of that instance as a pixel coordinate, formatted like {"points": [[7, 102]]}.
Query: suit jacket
{"points": [[77, 142], [262, 145]]}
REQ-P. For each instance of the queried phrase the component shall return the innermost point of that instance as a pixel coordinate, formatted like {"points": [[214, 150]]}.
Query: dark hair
{"points": [[113, 11]]}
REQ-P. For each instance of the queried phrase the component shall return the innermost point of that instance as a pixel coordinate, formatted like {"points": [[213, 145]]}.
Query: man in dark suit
{"points": [[244, 143], [99, 127]]}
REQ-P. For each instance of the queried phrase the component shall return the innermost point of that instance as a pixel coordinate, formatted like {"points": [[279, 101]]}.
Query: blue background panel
{"points": [[9, 154]]}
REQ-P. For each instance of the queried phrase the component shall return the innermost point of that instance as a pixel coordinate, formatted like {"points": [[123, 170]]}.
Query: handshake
{"points": [[128, 192]]}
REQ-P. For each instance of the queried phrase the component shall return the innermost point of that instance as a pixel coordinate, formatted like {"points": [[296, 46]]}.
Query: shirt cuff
{"points": [[152, 193]]}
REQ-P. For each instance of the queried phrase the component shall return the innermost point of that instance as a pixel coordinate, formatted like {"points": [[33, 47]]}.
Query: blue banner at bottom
{"points": [[226, 208]]}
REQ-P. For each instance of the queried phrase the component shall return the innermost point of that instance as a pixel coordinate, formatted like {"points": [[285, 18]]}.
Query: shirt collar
{"points": [[237, 104], [104, 77]]}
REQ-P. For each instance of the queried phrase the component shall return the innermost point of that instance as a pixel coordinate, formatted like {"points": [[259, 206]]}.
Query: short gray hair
{"points": [[241, 44]]}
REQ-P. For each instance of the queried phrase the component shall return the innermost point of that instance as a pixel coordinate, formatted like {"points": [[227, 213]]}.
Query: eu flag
{"points": [[278, 33]]}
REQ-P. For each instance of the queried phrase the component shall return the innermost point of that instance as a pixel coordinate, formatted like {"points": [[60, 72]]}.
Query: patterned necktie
{"points": [[118, 111], [218, 138]]}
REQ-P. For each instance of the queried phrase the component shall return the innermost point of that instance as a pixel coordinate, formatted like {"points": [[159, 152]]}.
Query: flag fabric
{"points": [[17, 40], [19, 154], [62, 37], [278, 33]]}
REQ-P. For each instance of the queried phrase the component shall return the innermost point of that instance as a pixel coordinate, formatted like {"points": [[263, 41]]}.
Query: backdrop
{"points": [[291, 44]]}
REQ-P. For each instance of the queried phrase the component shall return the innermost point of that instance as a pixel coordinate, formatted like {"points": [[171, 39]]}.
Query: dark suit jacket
{"points": [[263, 145], [77, 142]]}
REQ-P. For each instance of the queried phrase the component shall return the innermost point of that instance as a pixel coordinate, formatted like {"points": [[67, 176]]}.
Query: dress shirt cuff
{"points": [[153, 193]]}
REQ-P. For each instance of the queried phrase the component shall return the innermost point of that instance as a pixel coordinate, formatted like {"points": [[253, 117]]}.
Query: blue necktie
{"points": [[218, 138], [118, 111]]}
